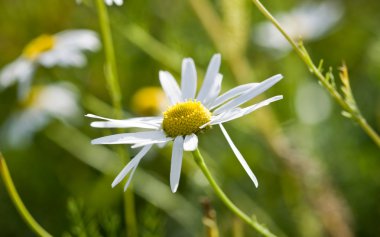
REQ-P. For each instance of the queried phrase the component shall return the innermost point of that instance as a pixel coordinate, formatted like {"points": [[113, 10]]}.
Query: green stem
{"points": [[304, 55], [110, 65], [222, 196], [30, 221], [115, 93]]}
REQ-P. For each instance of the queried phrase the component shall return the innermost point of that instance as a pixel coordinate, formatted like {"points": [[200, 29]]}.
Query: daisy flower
{"points": [[43, 103], [187, 116], [309, 21], [63, 49], [108, 2], [117, 2]]}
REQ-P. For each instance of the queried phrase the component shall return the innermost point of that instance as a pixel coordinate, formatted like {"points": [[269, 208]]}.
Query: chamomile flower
{"points": [[43, 103], [108, 2], [188, 115], [65, 49], [309, 21], [117, 2]]}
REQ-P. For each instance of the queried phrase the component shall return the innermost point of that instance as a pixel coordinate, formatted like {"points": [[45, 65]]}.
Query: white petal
{"points": [[254, 107], [160, 144], [59, 100], [239, 156], [130, 178], [212, 72], [225, 116], [232, 94], [176, 164], [21, 126], [118, 2], [19, 70], [23, 88], [170, 86], [190, 143], [63, 58], [214, 90], [154, 119], [77, 40], [142, 122], [189, 79], [124, 124], [301, 22], [132, 138], [132, 164], [239, 112], [248, 95]]}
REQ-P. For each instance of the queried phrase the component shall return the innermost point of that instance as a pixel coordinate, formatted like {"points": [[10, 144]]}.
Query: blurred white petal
{"points": [[19, 70], [77, 40], [308, 22], [117, 2], [59, 100], [20, 128]]}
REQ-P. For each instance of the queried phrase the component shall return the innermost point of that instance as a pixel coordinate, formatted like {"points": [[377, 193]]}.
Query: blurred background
{"points": [[318, 171]]}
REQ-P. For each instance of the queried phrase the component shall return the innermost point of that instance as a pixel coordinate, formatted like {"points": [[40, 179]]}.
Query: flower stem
{"points": [[222, 196], [305, 57], [5, 175], [115, 93], [110, 65]]}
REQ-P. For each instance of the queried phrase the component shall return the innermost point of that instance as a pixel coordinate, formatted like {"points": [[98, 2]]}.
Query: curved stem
{"points": [[222, 196], [304, 55], [30, 221]]}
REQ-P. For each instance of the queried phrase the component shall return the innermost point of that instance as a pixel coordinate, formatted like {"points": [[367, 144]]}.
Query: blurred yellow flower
{"points": [[149, 101]]}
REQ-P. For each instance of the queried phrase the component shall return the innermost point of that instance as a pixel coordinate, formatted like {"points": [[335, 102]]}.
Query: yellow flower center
{"points": [[39, 45], [185, 118]]}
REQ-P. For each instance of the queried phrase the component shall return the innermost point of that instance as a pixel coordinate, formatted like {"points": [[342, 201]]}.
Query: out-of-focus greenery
{"points": [[333, 171]]}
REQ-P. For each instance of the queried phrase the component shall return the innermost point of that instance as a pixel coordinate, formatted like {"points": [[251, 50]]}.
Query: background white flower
{"points": [[117, 2], [108, 2], [65, 49], [187, 117], [309, 21], [59, 101]]}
